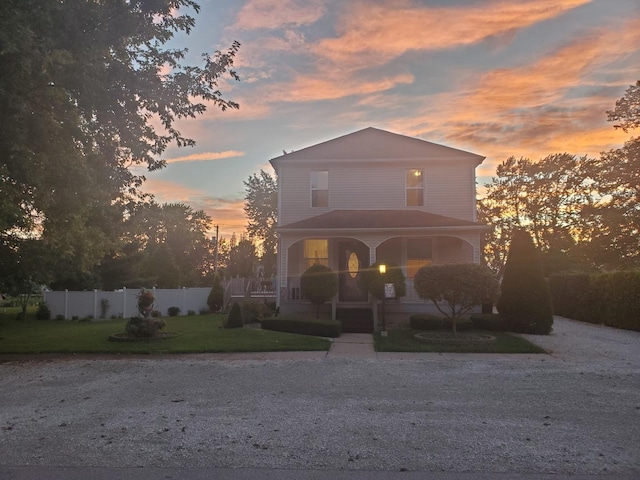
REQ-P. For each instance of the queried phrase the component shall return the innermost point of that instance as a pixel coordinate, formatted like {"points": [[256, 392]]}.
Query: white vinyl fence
{"points": [[98, 304]]}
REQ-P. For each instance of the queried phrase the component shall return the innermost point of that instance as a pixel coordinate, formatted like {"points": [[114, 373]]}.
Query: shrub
{"points": [[59, 317], [320, 328], [460, 286], [318, 284], [254, 311], [215, 299], [525, 301], [234, 319], [570, 294], [614, 299], [488, 321], [191, 312], [173, 311], [462, 324], [104, 307], [373, 281], [426, 322], [143, 327], [43, 312]]}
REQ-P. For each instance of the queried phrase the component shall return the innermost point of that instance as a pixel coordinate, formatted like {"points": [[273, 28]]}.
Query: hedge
{"points": [[319, 328], [612, 299], [426, 322], [489, 321]]}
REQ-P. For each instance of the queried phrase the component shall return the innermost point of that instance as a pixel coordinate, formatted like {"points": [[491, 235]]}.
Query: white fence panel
{"points": [[123, 303]]}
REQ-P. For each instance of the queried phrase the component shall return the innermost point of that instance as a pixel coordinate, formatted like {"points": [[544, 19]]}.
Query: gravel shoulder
{"points": [[575, 411]]}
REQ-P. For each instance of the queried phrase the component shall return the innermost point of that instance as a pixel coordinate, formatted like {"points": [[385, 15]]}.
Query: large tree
{"points": [[261, 208], [87, 90]]}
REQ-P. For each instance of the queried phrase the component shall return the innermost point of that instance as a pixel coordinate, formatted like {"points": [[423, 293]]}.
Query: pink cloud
{"points": [[373, 33], [206, 156]]}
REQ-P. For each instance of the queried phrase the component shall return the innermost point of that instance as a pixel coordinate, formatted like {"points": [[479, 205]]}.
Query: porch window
{"points": [[320, 189], [419, 254], [415, 187], [316, 251]]}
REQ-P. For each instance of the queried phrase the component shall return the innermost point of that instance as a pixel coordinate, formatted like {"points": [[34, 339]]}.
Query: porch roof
{"points": [[379, 220]]}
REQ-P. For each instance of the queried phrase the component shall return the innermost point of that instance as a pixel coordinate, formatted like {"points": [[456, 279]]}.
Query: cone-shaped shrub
{"points": [[216, 295], [318, 284], [525, 301], [234, 319]]}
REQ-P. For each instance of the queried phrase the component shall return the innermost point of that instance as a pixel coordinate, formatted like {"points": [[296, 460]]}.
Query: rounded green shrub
{"points": [[173, 311], [318, 284]]}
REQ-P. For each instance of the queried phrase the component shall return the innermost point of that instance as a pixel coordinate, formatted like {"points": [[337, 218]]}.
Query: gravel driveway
{"points": [[574, 411]]}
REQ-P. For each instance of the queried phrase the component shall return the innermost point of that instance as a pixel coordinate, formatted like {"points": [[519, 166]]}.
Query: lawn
{"points": [[198, 334], [404, 341]]}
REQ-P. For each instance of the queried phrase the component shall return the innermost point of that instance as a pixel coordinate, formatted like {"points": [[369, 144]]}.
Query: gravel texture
{"points": [[575, 411]]}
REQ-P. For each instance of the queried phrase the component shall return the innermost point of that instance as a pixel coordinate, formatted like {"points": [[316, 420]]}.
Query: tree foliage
{"points": [[89, 89], [525, 301], [261, 209], [461, 287], [318, 284]]}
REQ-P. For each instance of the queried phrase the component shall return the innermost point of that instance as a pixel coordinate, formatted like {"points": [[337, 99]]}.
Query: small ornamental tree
{"points": [[318, 284], [460, 286], [373, 281], [216, 295], [525, 301]]}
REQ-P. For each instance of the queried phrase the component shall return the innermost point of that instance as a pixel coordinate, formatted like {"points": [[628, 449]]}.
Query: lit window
{"points": [[319, 189], [316, 251], [415, 188], [419, 254]]}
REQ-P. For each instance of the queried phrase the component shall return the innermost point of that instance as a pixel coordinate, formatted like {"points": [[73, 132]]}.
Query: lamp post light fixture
{"points": [[383, 272]]}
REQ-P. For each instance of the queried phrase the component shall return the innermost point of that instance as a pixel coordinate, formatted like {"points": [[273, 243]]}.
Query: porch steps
{"points": [[355, 320]]}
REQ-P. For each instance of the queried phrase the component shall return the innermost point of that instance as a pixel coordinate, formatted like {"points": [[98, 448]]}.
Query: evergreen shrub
{"points": [[234, 319], [318, 284], [525, 301], [570, 293], [173, 311], [43, 312]]}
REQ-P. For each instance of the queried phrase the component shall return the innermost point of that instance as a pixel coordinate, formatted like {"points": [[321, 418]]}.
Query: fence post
{"points": [[66, 303], [124, 302], [95, 303], [184, 301]]}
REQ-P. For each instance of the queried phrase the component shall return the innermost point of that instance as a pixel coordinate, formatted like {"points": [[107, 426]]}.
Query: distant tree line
{"points": [[583, 213]]}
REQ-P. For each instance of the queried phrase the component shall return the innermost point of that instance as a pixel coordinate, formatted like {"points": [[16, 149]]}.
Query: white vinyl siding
{"points": [[448, 188]]}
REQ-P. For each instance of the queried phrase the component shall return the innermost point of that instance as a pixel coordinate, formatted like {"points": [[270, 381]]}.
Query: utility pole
{"points": [[215, 261]]}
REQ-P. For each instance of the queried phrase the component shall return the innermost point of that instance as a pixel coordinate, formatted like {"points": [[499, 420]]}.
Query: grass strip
{"points": [[405, 341]]}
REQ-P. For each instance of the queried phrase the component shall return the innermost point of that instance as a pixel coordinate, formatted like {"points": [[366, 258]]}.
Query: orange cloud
{"points": [[375, 33], [332, 85], [206, 156]]}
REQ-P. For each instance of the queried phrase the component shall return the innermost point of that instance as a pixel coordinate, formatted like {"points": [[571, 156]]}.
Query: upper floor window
{"points": [[415, 188], [320, 189]]}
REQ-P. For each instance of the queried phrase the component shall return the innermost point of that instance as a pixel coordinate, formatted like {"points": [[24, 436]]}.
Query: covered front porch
{"points": [[348, 251]]}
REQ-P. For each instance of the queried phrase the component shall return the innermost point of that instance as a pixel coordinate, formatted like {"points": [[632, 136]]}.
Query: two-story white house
{"points": [[370, 196]]}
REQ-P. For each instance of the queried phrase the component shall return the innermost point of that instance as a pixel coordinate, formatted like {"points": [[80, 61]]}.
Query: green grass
{"points": [[404, 341], [198, 334]]}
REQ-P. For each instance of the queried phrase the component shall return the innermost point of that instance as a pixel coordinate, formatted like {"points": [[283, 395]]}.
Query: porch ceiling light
{"points": [[383, 268]]}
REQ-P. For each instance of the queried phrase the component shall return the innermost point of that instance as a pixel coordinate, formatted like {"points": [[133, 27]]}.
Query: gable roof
{"points": [[373, 143], [378, 219]]}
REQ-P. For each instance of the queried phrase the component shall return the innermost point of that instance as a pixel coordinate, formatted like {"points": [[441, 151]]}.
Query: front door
{"points": [[353, 257]]}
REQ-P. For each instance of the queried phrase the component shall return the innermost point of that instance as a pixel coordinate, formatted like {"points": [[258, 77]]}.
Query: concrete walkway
{"points": [[353, 345]]}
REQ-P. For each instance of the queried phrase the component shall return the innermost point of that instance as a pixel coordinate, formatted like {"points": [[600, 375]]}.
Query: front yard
{"points": [[198, 334]]}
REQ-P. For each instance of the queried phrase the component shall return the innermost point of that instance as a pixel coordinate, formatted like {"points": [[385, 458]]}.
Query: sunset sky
{"points": [[497, 78]]}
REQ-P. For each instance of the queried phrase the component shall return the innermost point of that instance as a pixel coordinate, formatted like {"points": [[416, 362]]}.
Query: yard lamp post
{"points": [[383, 272]]}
